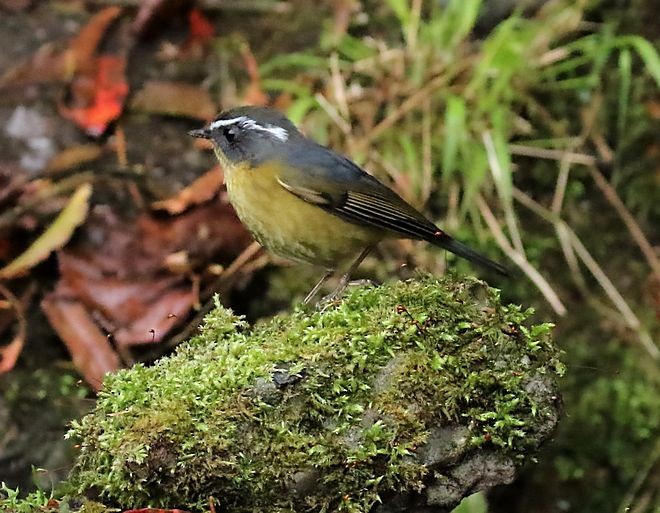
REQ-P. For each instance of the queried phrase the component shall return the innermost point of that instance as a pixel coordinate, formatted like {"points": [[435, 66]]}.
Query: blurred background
{"points": [[527, 128]]}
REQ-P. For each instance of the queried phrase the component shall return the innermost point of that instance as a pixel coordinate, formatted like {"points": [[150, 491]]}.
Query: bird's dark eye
{"points": [[230, 133]]}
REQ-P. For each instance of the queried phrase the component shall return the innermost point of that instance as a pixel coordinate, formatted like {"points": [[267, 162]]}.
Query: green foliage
{"points": [[371, 375], [614, 426], [10, 501]]}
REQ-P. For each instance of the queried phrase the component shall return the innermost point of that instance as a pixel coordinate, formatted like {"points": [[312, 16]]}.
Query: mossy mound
{"points": [[324, 411]]}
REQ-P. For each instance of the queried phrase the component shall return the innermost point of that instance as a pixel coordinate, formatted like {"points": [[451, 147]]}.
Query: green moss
{"points": [[361, 383], [10, 501]]}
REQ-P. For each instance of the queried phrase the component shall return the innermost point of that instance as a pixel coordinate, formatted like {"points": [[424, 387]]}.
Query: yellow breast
{"points": [[289, 226]]}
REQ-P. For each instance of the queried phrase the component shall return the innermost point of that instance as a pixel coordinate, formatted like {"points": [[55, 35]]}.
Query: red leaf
{"points": [[90, 349], [201, 29], [98, 100]]}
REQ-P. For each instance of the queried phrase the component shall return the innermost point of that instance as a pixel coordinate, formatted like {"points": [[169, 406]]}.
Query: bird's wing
{"points": [[334, 183]]}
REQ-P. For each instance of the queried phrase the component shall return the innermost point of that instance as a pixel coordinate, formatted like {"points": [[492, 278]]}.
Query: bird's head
{"points": [[249, 134]]}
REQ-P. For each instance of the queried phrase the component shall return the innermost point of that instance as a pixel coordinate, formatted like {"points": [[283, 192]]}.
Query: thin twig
{"points": [[549, 154], [606, 188], [519, 259], [239, 262], [641, 476], [241, 265], [631, 320], [560, 187], [498, 175], [339, 86], [569, 255], [635, 231], [409, 104], [334, 114]]}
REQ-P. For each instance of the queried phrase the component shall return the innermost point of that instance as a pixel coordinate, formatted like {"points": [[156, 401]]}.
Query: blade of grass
{"points": [[454, 132], [500, 167], [633, 228], [625, 72], [631, 320], [646, 51], [333, 113], [519, 259]]}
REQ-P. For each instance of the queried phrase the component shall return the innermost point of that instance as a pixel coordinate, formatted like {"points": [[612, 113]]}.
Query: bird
{"points": [[307, 203]]}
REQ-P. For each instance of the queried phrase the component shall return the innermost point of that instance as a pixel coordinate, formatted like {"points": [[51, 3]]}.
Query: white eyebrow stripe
{"points": [[249, 123], [226, 122]]}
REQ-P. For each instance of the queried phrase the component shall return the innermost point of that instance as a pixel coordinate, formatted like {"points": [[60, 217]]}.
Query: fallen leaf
{"points": [[83, 47], [52, 64], [201, 190], [47, 64], [140, 310], [202, 31], [90, 349], [159, 318], [9, 353], [55, 236], [174, 99], [98, 99], [73, 157], [120, 267]]}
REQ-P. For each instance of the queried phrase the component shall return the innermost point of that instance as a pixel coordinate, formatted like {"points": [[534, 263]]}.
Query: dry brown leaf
{"points": [[47, 64], [73, 157], [174, 99], [83, 47], [90, 349], [55, 236], [9, 353], [155, 302], [201, 190], [50, 64], [168, 310]]}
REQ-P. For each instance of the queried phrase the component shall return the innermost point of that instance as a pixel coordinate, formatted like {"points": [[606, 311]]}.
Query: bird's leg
{"points": [[316, 288], [346, 277]]}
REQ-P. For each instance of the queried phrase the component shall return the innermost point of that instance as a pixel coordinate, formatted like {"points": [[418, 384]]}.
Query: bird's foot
{"points": [[344, 283]]}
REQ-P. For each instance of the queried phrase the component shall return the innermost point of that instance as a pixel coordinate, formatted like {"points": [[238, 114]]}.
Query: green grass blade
{"points": [[455, 131]]}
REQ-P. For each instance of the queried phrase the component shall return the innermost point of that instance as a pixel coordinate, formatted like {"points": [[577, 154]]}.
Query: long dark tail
{"points": [[460, 249]]}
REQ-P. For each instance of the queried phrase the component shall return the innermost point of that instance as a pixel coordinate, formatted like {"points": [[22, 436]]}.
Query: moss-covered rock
{"points": [[418, 391]]}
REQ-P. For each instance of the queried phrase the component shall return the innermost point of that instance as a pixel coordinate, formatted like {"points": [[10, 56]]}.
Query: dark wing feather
{"points": [[385, 213], [335, 184]]}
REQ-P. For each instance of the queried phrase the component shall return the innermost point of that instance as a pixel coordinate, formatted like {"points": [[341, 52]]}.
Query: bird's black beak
{"points": [[202, 133]]}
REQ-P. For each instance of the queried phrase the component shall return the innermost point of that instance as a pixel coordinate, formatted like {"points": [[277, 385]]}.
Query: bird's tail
{"points": [[458, 248]]}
